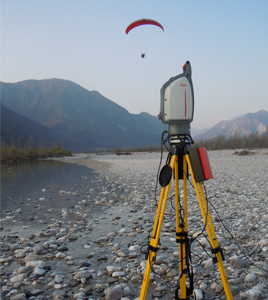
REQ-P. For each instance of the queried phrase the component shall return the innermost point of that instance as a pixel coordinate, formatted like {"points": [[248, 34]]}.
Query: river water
{"points": [[30, 191]]}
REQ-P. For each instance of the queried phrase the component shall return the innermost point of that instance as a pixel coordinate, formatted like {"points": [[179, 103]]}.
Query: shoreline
{"points": [[83, 160], [107, 244]]}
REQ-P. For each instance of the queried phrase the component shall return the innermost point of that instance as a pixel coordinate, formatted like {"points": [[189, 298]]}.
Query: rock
{"points": [[38, 271], [171, 273], [239, 263], [59, 295], [250, 277], [58, 286], [118, 274], [60, 255], [35, 263], [127, 291], [83, 274], [258, 271], [254, 294], [102, 240], [263, 242], [31, 257], [21, 296], [198, 294], [37, 292], [18, 278], [114, 294], [219, 288]]}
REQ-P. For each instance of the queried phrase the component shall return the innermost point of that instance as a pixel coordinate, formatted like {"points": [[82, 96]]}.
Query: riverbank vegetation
{"points": [[251, 141], [11, 155]]}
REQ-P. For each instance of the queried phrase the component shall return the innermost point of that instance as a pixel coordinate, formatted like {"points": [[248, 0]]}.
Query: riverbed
{"points": [[86, 252]]}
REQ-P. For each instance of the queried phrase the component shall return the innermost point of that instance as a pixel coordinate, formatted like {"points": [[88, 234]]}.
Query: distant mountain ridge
{"points": [[243, 125], [18, 130], [57, 111], [81, 118]]}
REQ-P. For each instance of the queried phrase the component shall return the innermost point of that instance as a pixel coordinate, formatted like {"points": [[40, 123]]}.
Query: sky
{"points": [[84, 41]]}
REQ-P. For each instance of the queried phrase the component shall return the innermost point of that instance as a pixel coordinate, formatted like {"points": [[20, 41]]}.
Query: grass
{"points": [[11, 155]]}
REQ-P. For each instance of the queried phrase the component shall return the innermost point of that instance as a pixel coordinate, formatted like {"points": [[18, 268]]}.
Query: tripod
{"points": [[179, 157]]}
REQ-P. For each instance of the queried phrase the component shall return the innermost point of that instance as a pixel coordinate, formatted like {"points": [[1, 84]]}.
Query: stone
{"points": [[250, 277], [114, 294], [37, 292], [254, 294], [21, 296], [171, 273], [258, 271], [83, 274], [239, 263], [198, 294], [31, 257], [219, 288], [38, 271], [18, 278]]}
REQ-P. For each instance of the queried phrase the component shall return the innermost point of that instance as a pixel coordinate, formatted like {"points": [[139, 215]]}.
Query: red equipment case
{"points": [[205, 163]]}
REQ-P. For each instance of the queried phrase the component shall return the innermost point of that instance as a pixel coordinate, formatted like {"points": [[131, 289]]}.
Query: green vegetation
{"points": [[10, 154], [251, 141]]}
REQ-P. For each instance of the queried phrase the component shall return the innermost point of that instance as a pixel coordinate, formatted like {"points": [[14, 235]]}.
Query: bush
{"points": [[11, 155]]}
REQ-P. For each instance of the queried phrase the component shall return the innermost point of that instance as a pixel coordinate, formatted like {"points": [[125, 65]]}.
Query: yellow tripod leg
{"points": [[155, 234], [210, 231], [181, 227]]}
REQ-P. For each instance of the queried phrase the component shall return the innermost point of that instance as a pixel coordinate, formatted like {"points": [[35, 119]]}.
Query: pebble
{"points": [[85, 255]]}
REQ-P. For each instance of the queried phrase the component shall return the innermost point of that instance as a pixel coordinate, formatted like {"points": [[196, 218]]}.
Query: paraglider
{"points": [[142, 22]]}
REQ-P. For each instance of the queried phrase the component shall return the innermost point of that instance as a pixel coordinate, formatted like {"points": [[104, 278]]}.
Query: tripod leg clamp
{"points": [[150, 248], [215, 251], [180, 236]]}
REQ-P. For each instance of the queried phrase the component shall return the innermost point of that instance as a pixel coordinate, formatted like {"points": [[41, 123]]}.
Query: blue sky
{"points": [[84, 41]]}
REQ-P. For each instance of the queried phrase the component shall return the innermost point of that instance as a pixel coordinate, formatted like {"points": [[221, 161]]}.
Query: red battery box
{"points": [[205, 163]]}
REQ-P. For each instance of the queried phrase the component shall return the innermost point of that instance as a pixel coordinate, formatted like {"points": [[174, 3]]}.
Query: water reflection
{"points": [[31, 171], [24, 183]]}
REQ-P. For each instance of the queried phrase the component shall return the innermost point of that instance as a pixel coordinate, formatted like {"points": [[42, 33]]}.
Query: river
{"points": [[30, 191]]}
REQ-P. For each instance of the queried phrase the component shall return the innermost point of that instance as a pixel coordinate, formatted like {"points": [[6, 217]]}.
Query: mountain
{"points": [[81, 118], [21, 131], [197, 131], [243, 125]]}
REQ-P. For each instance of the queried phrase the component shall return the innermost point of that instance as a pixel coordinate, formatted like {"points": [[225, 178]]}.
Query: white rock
{"points": [[198, 294], [176, 254], [203, 286], [18, 278], [38, 271], [118, 274], [253, 293], [250, 277], [264, 242], [58, 286], [35, 263], [60, 255]]}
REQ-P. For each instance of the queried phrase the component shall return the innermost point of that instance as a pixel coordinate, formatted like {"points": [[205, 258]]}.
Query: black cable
{"points": [[250, 261], [158, 171]]}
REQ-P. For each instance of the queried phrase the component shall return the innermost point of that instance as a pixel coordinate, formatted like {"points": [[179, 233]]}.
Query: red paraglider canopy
{"points": [[143, 22]]}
